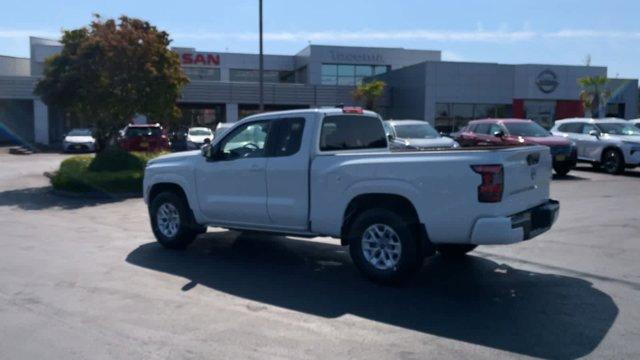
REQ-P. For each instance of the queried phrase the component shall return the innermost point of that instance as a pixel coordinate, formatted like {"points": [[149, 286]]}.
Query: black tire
{"points": [[562, 170], [612, 162], [407, 263], [187, 230], [455, 251]]}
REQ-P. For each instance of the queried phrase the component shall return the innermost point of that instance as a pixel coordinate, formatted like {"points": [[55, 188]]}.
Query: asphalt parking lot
{"points": [[85, 279]]}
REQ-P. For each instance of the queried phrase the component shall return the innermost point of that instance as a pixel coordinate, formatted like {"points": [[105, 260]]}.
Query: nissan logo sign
{"points": [[547, 81]]}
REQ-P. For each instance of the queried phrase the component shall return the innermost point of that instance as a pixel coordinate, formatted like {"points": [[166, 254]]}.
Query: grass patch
{"points": [[113, 171]]}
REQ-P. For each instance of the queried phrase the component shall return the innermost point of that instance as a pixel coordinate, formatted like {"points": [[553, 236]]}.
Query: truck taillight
{"points": [[490, 190], [352, 110]]}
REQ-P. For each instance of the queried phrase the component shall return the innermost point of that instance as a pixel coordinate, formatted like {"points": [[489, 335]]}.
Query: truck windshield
{"points": [[619, 129], [526, 129], [416, 131]]}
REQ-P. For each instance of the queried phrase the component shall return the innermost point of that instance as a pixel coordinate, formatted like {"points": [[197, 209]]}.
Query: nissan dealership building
{"points": [[224, 88]]}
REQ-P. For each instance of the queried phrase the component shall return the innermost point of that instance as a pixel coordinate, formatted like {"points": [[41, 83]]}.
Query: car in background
{"points": [[515, 132], [610, 144], [79, 140], [415, 135], [144, 137], [198, 136], [222, 127]]}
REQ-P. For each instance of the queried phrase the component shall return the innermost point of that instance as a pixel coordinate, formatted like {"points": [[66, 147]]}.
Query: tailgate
{"points": [[527, 174]]}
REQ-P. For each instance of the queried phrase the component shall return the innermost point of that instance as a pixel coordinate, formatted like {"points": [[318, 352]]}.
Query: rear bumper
{"points": [[522, 226]]}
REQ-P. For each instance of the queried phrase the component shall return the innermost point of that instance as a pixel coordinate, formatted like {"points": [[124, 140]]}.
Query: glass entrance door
{"points": [[540, 111]]}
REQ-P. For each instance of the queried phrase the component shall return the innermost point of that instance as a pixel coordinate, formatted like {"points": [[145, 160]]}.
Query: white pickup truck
{"points": [[329, 172]]}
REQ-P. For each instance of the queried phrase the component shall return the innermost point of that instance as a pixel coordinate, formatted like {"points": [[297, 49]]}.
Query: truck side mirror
{"points": [[595, 133], [206, 151], [390, 137]]}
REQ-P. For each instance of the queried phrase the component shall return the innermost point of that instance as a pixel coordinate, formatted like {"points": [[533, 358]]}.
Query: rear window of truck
{"points": [[352, 132]]}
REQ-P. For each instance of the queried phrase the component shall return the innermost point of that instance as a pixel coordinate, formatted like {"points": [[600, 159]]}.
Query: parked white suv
{"points": [[611, 144], [329, 172], [415, 135]]}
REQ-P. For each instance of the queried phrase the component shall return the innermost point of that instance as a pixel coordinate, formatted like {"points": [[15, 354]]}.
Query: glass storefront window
{"points": [[346, 70], [346, 80], [364, 70], [347, 74], [270, 76], [202, 73], [452, 117], [329, 70], [380, 69]]}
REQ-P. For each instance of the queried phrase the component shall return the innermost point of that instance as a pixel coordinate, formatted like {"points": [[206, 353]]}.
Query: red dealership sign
{"points": [[199, 59]]}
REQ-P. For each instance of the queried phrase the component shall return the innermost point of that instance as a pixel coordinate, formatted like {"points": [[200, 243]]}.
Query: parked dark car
{"points": [[144, 137], [515, 132]]}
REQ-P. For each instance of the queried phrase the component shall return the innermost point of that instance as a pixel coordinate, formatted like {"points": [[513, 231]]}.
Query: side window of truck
{"points": [[351, 132], [244, 142], [285, 136]]}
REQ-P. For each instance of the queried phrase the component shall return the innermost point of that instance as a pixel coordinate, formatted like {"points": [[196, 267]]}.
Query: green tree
{"points": [[369, 92], [594, 94], [112, 70]]}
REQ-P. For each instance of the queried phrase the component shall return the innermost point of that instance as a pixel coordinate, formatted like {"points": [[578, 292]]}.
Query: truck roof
{"points": [[406, 122], [325, 110]]}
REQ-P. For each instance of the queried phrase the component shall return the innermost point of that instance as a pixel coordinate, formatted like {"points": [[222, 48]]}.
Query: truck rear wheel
{"points": [[383, 246], [172, 222], [452, 251]]}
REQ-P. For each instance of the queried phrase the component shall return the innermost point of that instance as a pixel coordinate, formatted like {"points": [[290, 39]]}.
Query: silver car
{"points": [[611, 144], [415, 135]]}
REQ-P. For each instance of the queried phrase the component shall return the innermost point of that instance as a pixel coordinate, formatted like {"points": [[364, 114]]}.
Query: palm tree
{"points": [[369, 92], [594, 94]]}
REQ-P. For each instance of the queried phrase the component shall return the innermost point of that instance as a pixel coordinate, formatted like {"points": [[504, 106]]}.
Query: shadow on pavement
{"points": [[568, 177], [473, 300], [42, 198], [628, 172]]}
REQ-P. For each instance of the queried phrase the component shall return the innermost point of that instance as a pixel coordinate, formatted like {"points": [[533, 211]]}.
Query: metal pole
{"points": [[261, 63]]}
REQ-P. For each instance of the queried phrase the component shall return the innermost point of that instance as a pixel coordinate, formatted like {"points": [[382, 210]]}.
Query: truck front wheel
{"points": [[383, 246], [172, 222]]}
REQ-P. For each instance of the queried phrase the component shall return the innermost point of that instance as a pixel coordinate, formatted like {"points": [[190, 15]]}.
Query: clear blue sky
{"points": [[513, 31]]}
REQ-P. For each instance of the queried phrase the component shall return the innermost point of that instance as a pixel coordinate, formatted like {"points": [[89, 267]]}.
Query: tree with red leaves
{"points": [[112, 70]]}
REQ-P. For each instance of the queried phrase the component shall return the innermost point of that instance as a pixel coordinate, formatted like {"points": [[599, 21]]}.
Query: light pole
{"points": [[261, 61]]}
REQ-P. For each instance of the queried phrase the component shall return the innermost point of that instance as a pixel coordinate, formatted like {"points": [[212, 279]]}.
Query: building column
{"points": [[231, 112], [40, 122]]}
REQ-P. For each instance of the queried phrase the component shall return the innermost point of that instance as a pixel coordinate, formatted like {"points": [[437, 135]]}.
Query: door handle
{"points": [[255, 168]]}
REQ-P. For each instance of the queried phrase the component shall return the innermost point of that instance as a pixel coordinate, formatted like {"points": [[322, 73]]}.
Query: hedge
{"points": [[112, 171]]}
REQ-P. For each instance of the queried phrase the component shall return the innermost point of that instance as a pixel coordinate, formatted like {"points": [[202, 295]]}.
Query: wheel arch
{"points": [[166, 187], [398, 203], [611, 147]]}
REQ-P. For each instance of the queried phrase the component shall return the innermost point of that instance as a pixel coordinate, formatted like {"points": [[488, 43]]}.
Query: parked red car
{"points": [[144, 137], [515, 132]]}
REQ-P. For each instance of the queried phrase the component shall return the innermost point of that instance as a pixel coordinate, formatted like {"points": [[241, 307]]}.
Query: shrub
{"points": [[116, 159], [110, 172]]}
